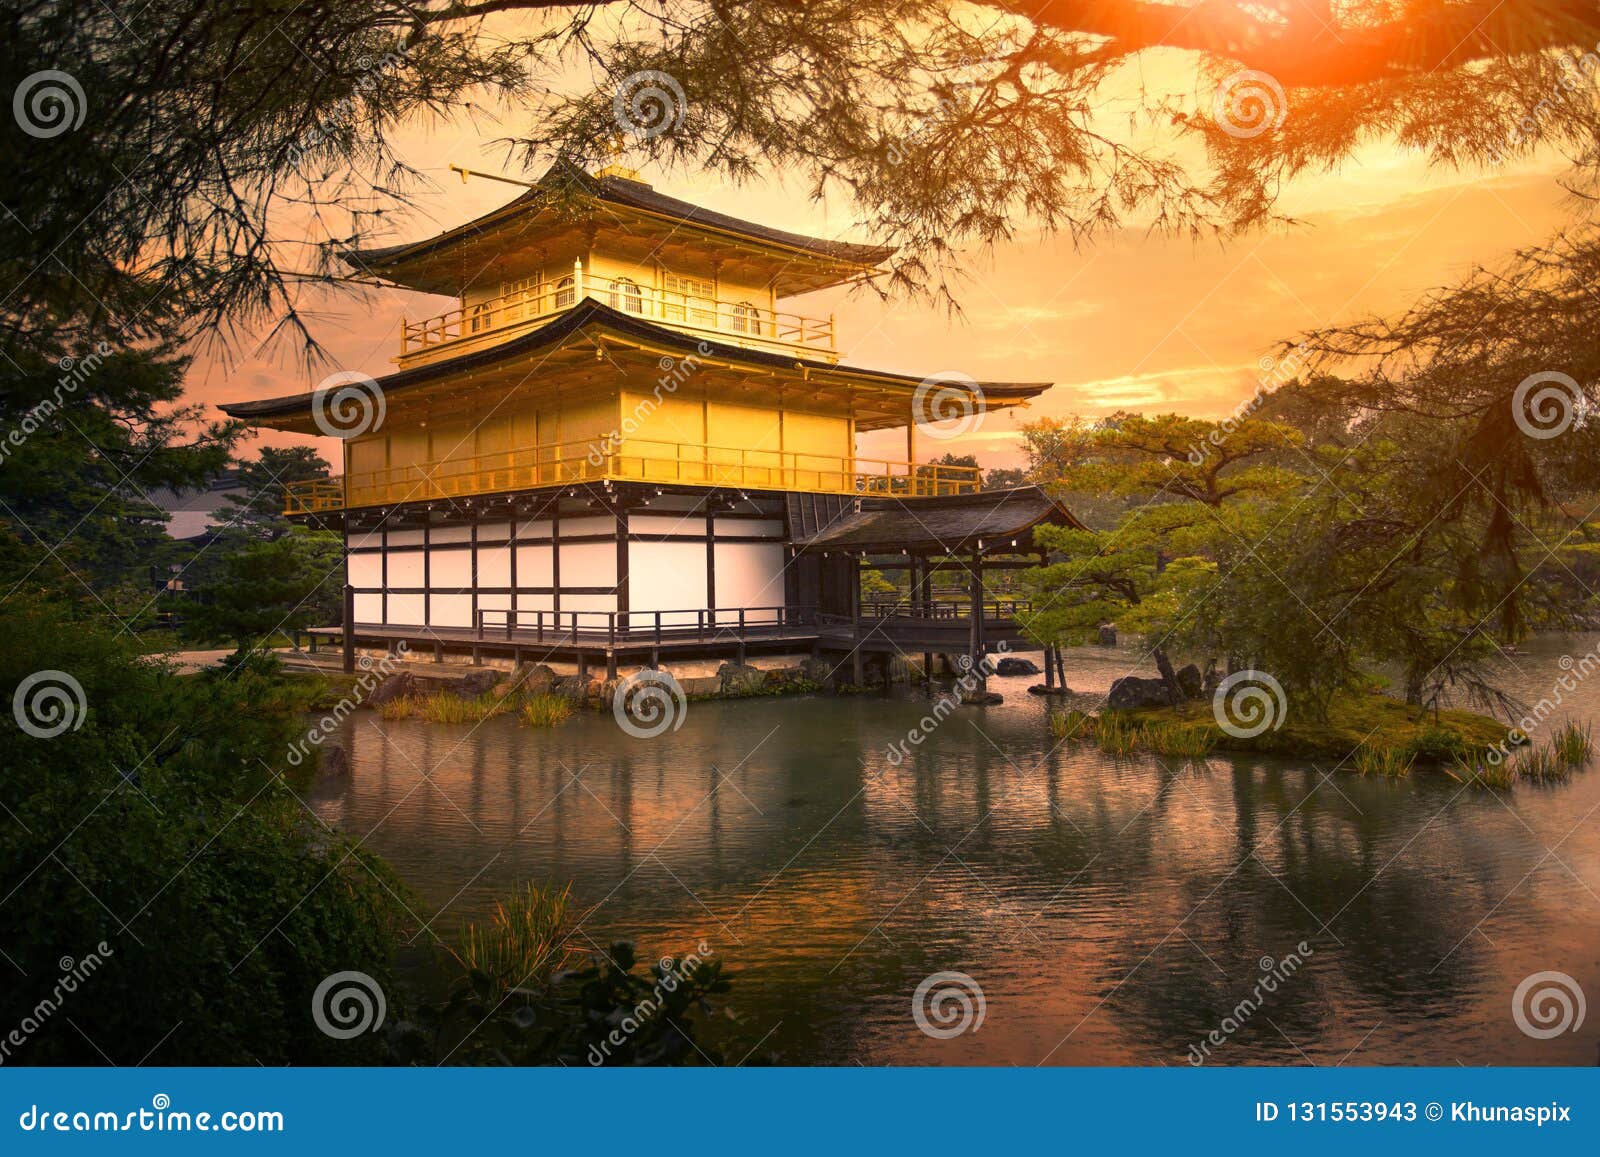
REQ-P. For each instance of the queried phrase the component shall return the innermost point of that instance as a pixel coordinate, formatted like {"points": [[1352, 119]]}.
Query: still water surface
{"points": [[1112, 911]]}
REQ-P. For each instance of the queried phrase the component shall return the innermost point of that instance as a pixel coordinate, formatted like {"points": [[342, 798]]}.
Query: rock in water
{"points": [[401, 685], [1132, 692], [470, 686], [1011, 665], [1190, 682], [737, 680]]}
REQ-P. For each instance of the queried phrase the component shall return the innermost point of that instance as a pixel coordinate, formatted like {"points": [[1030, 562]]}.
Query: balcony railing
{"points": [[632, 460], [745, 322]]}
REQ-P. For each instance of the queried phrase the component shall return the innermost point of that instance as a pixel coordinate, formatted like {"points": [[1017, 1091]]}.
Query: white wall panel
{"points": [[450, 534], [366, 570], [666, 576], [405, 568], [369, 608], [533, 566], [450, 610], [750, 527], [405, 610], [494, 566], [405, 538], [587, 564], [451, 567], [749, 574], [666, 524]]}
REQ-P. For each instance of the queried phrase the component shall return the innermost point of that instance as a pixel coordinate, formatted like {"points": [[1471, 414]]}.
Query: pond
{"points": [[1111, 911]]}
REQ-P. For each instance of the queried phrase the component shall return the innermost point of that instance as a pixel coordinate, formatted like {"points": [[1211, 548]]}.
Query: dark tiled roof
{"points": [[940, 524], [588, 311], [564, 179]]}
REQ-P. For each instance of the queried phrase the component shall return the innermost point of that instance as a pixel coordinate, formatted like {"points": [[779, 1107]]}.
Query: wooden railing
{"points": [[690, 625], [634, 460], [942, 608], [746, 322]]}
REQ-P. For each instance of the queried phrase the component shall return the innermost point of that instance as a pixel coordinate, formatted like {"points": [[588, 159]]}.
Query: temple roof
{"points": [[566, 186], [601, 319], [939, 525]]}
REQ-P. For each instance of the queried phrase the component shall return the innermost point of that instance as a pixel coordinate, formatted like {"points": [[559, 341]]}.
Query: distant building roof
{"points": [[191, 512], [950, 523]]}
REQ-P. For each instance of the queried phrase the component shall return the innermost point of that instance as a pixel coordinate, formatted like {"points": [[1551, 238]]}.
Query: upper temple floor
{"points": [[615, 240]]}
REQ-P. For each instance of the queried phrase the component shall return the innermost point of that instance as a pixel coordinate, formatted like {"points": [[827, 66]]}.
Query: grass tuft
{"points": [[1571, 745], [545, 710], [1389, 762], [1072, 725], [525, 939]]}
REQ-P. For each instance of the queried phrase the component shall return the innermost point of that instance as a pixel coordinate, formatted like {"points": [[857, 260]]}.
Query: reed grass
{"points": [[1571, 745], [525, 939], [1116, 734], [545, 710], [1072, 725], [1482, 774], [1183, 740], [1389, 762], [1545, 764]]}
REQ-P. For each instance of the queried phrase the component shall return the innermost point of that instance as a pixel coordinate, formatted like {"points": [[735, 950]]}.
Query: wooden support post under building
{"points": [[858, 674], [975, 640], [583, 670], [349, 629], [611, 666]]}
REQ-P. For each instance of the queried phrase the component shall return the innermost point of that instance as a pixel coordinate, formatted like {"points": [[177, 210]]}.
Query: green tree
{"points": [[281, 584], [155, 821]]}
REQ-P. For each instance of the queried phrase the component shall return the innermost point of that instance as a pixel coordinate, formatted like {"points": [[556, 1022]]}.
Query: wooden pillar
{"points": [[349, 629], [975, 642], [857, 668], [1049, 668]]}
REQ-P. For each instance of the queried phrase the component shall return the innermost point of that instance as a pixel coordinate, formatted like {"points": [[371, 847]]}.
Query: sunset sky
{"points": [[1130, 322]]}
